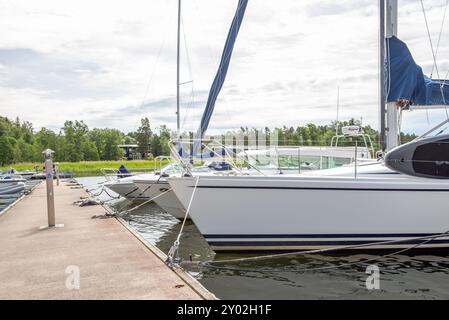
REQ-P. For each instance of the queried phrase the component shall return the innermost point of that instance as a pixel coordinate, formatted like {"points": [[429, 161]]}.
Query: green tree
{"points": [[75, 136], [112, 139], [165, 136], [6, 150], [156, 147], [23, 151], [143, 136], [128, 139], [90, 151], [106, 142]]}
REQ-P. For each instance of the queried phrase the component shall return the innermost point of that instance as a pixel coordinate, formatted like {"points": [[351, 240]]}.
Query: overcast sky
{"points": [[111, 63]]}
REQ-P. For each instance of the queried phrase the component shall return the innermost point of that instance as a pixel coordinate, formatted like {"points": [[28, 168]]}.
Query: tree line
{"points": [[75, 141], [317, 135]]}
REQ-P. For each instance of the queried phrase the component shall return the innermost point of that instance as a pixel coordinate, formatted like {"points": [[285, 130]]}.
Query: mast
{"points": [[178, 54], [382, 93], [338, 110], [392, 18], [392, 112]]}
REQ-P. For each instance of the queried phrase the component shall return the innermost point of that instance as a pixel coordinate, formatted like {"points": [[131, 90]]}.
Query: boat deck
{"points": [[113, 261]]}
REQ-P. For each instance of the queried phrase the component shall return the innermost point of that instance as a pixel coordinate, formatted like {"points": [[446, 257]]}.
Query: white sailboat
{"points": [[151, 185], [154, 185], [334, 208]]}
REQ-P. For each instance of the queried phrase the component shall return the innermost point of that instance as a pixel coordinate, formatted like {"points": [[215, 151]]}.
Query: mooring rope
{"points": [[109, 195], [217, 264], [172, 256], [103, 190]]}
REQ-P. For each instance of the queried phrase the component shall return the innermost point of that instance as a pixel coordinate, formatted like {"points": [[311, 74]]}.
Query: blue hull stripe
{"points": [[328, 189], [315, 236], [315, 243]]}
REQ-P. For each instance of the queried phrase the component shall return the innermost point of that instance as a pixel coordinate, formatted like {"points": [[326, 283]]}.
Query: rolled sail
{"points": [[221, 73], [407, 81]]}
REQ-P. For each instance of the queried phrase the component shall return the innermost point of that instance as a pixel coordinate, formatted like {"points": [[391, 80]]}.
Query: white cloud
{"points": [[99, 60]]}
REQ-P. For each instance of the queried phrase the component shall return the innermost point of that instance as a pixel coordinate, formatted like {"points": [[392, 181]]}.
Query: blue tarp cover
{"points": [[407, 80], [123, 169]]}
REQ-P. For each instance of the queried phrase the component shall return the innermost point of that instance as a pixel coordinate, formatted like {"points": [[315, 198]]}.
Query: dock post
{"points": [[57, 173], [49, 171]]}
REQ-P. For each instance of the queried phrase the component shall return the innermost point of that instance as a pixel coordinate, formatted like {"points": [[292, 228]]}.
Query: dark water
{"points": [[401, 276]]}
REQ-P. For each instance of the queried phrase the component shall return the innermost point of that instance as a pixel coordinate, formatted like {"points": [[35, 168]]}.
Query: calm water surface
{"points": [[401, 277]]}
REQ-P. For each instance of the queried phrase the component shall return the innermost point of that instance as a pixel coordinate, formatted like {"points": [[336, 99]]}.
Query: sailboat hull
{"points": [[288, 214], [127, 189], [159, 190]]}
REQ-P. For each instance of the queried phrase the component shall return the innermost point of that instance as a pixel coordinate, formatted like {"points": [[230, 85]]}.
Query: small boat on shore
{"points": [[12, 189], [42, 176], [9, 193], [10, 179]]}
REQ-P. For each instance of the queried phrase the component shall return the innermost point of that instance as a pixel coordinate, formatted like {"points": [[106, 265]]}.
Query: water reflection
{"points": [[402, 276]]}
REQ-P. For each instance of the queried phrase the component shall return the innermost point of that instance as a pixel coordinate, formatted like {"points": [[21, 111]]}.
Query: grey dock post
{"points": [[50, 191], [57, 173]]}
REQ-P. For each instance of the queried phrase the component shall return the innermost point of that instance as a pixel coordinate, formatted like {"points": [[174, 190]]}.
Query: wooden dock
{"points": [[112, 260]]}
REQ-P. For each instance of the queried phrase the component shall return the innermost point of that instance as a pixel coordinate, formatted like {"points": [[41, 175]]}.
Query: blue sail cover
{"points": [[221, 73], [407, 80]]}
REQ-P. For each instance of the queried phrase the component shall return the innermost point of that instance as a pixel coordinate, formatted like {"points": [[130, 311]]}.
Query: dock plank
{"points": [[113, 263]]}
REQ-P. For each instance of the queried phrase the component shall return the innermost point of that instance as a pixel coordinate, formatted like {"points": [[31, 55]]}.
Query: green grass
{"points": [[91, 168]]}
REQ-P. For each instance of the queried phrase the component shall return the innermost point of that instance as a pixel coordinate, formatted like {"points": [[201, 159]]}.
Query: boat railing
{"points": [[210, 149], [109, 174], [112, 174], [281, 159], [161, 161], [367, 141]]}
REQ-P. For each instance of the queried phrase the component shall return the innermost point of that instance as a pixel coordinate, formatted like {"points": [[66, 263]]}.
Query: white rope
{"points": [[172, 256], [441, 33], [102, 187], [387, 61], [400, 124], [430, 38], [434, 56], [97, 185], [216, 264]]}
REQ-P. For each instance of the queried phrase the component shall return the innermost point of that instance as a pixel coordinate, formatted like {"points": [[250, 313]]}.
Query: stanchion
{"points": [[49, 171]]}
